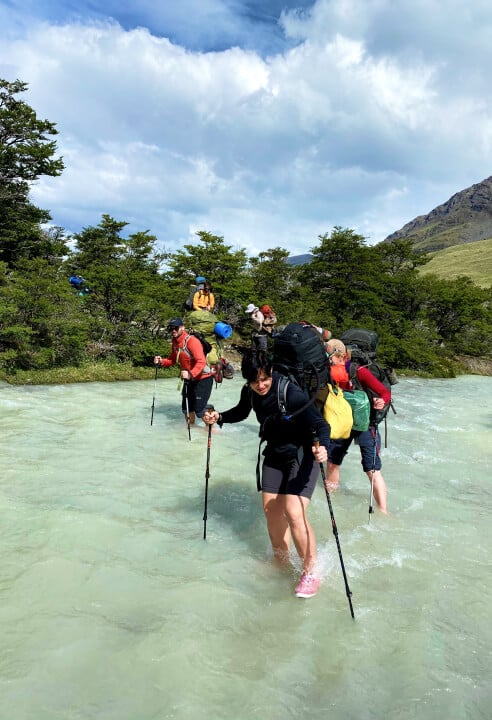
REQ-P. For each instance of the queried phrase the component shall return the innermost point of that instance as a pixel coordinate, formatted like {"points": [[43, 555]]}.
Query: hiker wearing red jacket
{"points": [[187, 350]]}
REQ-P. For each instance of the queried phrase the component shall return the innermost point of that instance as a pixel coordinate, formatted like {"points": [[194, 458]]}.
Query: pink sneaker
{"points": [[307, 586]]}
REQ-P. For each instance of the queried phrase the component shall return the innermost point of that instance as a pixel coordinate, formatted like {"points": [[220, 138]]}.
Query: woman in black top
{"points": [[288, 424]]}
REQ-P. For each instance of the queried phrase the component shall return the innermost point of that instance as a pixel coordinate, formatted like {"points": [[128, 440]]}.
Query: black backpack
{"points": [[363, 345], [188, 303], [299, 353], [365, 341]]}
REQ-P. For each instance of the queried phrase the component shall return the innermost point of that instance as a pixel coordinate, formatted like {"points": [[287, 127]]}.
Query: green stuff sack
{"points": [[201, 320], [213, 356], [202, 324], [361, 408], [338, 413]]}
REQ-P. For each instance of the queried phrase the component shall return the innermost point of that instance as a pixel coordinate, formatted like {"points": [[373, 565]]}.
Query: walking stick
{"points": [[187, 409], [207, 475], [153, 399], [335, 533]]}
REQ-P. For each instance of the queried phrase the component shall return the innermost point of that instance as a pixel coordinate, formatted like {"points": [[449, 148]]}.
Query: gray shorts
{"points": [[291, 479]]}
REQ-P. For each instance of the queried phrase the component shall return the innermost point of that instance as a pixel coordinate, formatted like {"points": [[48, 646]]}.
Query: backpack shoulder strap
{"points": [[353, 375], [185, 345], [283, 383]]}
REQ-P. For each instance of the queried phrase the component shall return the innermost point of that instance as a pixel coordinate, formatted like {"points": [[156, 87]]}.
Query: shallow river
{"points": [[113, 607]]}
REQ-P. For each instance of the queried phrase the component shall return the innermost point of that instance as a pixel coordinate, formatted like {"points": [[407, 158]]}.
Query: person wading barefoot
{"points": [[291, 461]]}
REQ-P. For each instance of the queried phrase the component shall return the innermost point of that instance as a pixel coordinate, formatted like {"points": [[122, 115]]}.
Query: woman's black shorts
{"points": [[290, 478]]}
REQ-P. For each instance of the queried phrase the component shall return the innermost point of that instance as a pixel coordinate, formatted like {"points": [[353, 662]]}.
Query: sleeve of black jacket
{"points": [[240, 411], [309, 419]]}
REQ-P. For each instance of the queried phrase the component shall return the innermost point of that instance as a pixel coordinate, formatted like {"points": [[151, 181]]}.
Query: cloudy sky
{"points": [[265, 121]]}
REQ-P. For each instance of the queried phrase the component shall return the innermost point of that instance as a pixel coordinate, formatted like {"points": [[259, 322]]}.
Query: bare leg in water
{"points": [[332, 477], [286, 518], [379, 487]]}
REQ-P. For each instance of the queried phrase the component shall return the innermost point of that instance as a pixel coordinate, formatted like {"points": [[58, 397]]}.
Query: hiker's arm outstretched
{"points": [[235, 414], [169, 361]]}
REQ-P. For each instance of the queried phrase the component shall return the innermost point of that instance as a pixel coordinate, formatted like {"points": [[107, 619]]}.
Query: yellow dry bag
{"points": [[338, 413]]}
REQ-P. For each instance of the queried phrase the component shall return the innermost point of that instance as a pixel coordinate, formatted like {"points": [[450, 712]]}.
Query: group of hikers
{"points": [[299, 435]]}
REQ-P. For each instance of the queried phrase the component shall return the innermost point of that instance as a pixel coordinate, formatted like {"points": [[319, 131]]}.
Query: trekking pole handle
{"points": [[317, 444], [211, 409]]}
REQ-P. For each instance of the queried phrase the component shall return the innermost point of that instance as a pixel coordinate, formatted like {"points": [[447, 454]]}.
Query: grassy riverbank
{"points": [[119, 372], [88, 372]]}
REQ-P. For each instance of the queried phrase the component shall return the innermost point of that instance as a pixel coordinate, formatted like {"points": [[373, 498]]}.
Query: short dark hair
{"points": [[253, 363]]}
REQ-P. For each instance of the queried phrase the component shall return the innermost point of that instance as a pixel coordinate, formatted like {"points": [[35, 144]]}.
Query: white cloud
{"points": [[350, 127]]}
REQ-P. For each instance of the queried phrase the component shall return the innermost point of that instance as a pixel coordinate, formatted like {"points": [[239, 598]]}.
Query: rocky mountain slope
{"points": [[464, 218]]}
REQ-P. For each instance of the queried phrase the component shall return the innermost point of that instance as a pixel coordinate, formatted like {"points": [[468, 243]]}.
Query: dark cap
{"points": [[175, 323]]}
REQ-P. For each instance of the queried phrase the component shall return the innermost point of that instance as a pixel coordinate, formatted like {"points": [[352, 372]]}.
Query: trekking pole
{"points": [[335, 533], [153, 398], [187, 409], [207, 474], [371, 494]]}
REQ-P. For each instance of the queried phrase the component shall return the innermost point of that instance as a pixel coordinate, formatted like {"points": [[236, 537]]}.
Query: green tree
{"points": [[399, 256], [128, 297], [272, 275], [276, 283], [460, 312], [40, 321], [343, 280], [26, 153], [400, 286]]}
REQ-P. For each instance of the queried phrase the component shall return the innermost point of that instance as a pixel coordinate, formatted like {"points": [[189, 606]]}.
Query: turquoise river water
{"points": [[113, 607]]}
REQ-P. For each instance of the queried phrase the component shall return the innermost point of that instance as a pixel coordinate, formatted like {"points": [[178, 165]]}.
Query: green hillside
{"points": [[432, 236], [471, 259]]}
